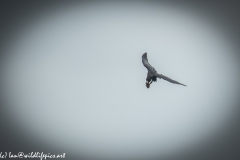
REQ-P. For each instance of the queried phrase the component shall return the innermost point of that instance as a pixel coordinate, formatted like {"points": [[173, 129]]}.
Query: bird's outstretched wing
{"points": [[146, 64], [168, 79]]}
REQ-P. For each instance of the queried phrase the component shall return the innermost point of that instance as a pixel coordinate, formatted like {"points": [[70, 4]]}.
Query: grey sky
{"points": [[77, 80]]}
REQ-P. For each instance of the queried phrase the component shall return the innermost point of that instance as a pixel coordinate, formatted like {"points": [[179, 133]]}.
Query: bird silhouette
{"points": [[152, 74]]}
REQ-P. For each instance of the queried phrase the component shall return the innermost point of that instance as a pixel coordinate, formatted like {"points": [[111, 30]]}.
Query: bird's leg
{"points": [[150, 82]]}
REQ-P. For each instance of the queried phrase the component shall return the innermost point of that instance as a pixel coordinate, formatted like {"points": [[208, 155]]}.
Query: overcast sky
{"points": [[74, 79]]}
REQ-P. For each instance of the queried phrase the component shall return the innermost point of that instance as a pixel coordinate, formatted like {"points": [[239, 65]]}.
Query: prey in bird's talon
{"points": [[147, 85]]}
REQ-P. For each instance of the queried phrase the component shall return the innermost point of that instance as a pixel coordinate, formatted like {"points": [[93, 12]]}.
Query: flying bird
{"points": [[152, 74]]}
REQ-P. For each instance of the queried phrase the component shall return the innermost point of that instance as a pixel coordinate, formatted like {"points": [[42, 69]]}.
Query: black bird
{"points": [[152, 74]]}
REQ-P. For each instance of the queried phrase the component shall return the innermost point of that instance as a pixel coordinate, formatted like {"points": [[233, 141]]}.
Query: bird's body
{"points": [[152, 74]]}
